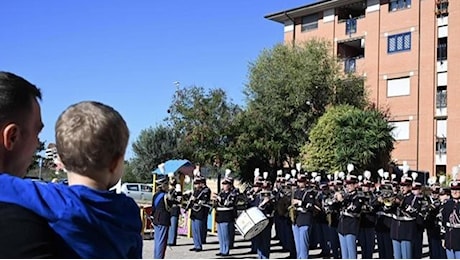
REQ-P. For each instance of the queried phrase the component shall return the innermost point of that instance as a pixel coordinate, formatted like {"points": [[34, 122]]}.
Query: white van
{"points": [[138, 191]]}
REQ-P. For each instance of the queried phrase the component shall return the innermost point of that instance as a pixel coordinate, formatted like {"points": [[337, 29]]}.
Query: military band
{"points": [[342, 211]]}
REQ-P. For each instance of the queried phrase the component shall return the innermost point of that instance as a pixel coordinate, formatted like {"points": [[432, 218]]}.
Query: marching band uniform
{"points": [[433, 229], [403, 224], [199, 213], [417, 242], [349, 220], [450, 213], [161, 218], [334, 221], [366, 235], [175, 212], [251, 194], [383, 225], [320, 219], [304, 217], [282, 220], [265, 203], [225, 217]]}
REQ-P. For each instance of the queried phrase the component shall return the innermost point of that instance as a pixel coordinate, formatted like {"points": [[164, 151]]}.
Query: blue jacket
{"points": [[91, 223]]}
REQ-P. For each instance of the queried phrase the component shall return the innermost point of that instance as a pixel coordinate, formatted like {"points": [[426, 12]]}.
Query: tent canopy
{"points": [[184, 166]]}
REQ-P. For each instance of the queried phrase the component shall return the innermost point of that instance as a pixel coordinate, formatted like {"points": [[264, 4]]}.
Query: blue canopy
{"points": [[184, 166]]}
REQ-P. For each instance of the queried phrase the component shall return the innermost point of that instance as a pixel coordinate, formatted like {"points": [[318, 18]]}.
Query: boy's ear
{"points": [[10, 136]]}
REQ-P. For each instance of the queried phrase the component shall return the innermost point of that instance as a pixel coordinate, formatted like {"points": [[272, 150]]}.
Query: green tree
{"points": [[346, 134], [128, 173], [289, 88], [36, 158], [202, 121], [152, 147]]}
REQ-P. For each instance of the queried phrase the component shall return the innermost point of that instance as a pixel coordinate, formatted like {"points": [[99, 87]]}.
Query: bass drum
{"points": [[251, 222]]}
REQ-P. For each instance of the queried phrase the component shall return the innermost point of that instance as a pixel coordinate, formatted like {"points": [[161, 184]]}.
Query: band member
{"points": [[283, 224], [198, 204], [433, 228], [417, 245], [450, 213], [265, 201], [350, 211], [251, 194], [384, 218], [303, 203], [333, 217], [366, 235], [405, 209], [322, 224], [225, 216], [175, 212], [161, 203]]}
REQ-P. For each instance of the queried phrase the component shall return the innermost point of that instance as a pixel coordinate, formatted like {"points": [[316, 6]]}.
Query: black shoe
{"points": [[198, 249], [224, 254], [218, 254], [192, 249]]}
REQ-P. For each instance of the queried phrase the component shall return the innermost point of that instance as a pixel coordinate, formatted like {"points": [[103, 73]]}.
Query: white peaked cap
{"points": [[279, 172], [171, 174], [386, 175], [265, 175], [318, 179], [178, 187], [367, 174], [380, 172], [314, 174], [298, 166], [350, 167], [288, 176], [227, 172], [196, 172]]}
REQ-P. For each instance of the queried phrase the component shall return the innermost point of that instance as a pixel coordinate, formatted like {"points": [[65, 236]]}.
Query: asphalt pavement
{"points": [[241, 250]]}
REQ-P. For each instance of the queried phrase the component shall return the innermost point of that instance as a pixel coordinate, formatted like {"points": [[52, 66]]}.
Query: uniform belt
{"points": [[452, 225], [301, 210], [351, 215], [381, 213], [224, 208], [403, 218]]}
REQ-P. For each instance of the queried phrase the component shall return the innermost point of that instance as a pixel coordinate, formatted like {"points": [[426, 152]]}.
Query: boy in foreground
{"points": [[91, 140]]}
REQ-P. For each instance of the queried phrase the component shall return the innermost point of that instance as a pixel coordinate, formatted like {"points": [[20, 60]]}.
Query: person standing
{"points": [[199, 212], [450, 213], [175, 212], [161, 203], [265, 202], [303, 202], [23, 234], [348, 228], [405, 210], [225, 203]]}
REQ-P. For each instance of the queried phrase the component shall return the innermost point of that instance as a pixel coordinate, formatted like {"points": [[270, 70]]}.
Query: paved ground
{"points": [[241, 250]]}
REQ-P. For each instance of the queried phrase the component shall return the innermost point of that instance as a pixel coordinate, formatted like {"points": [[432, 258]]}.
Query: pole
{"points": [[40, 163]]}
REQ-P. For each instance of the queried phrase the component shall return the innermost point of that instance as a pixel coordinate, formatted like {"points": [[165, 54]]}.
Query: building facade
{"points": [[406, 51]]}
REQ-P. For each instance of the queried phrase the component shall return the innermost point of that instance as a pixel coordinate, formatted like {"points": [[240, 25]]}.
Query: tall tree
{"points": [[36, 158], [346, 134], [289, 88], [152, 147], [202, 121]]}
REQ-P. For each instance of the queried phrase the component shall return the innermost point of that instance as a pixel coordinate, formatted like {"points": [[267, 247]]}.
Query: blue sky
{"points": [[127, 54]]}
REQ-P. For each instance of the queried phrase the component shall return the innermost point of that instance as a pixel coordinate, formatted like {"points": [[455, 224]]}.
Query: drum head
{"points": [[256, 229]]}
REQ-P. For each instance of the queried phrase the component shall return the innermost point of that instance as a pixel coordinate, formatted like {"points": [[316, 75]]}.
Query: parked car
{"points": [[138, 191]]}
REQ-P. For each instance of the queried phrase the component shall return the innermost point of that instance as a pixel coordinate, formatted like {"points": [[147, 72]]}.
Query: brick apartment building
{"points": [[406, 51]]}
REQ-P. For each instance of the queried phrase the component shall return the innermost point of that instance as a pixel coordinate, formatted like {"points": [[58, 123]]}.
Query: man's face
{"points": [[20, 156], [455, 194]]}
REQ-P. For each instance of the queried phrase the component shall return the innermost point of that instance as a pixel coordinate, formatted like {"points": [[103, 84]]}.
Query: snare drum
{"points": [[251, 222]]}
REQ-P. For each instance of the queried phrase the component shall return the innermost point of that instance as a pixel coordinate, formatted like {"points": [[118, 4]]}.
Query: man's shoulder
{"points": [[17, 212]]}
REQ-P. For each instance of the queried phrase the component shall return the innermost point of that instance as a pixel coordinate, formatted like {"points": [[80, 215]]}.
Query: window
{"points": [[442, 7], [441, 136], [398, 87], [350, 65], [400, 130], [399, 42], [442, 49], [146, 188], [395, 5], [132, 187], [441, 97], [310, 22], [350, 26]]}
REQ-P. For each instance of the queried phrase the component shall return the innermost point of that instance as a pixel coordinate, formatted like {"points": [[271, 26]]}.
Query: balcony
{"points": [[350, 52]]}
